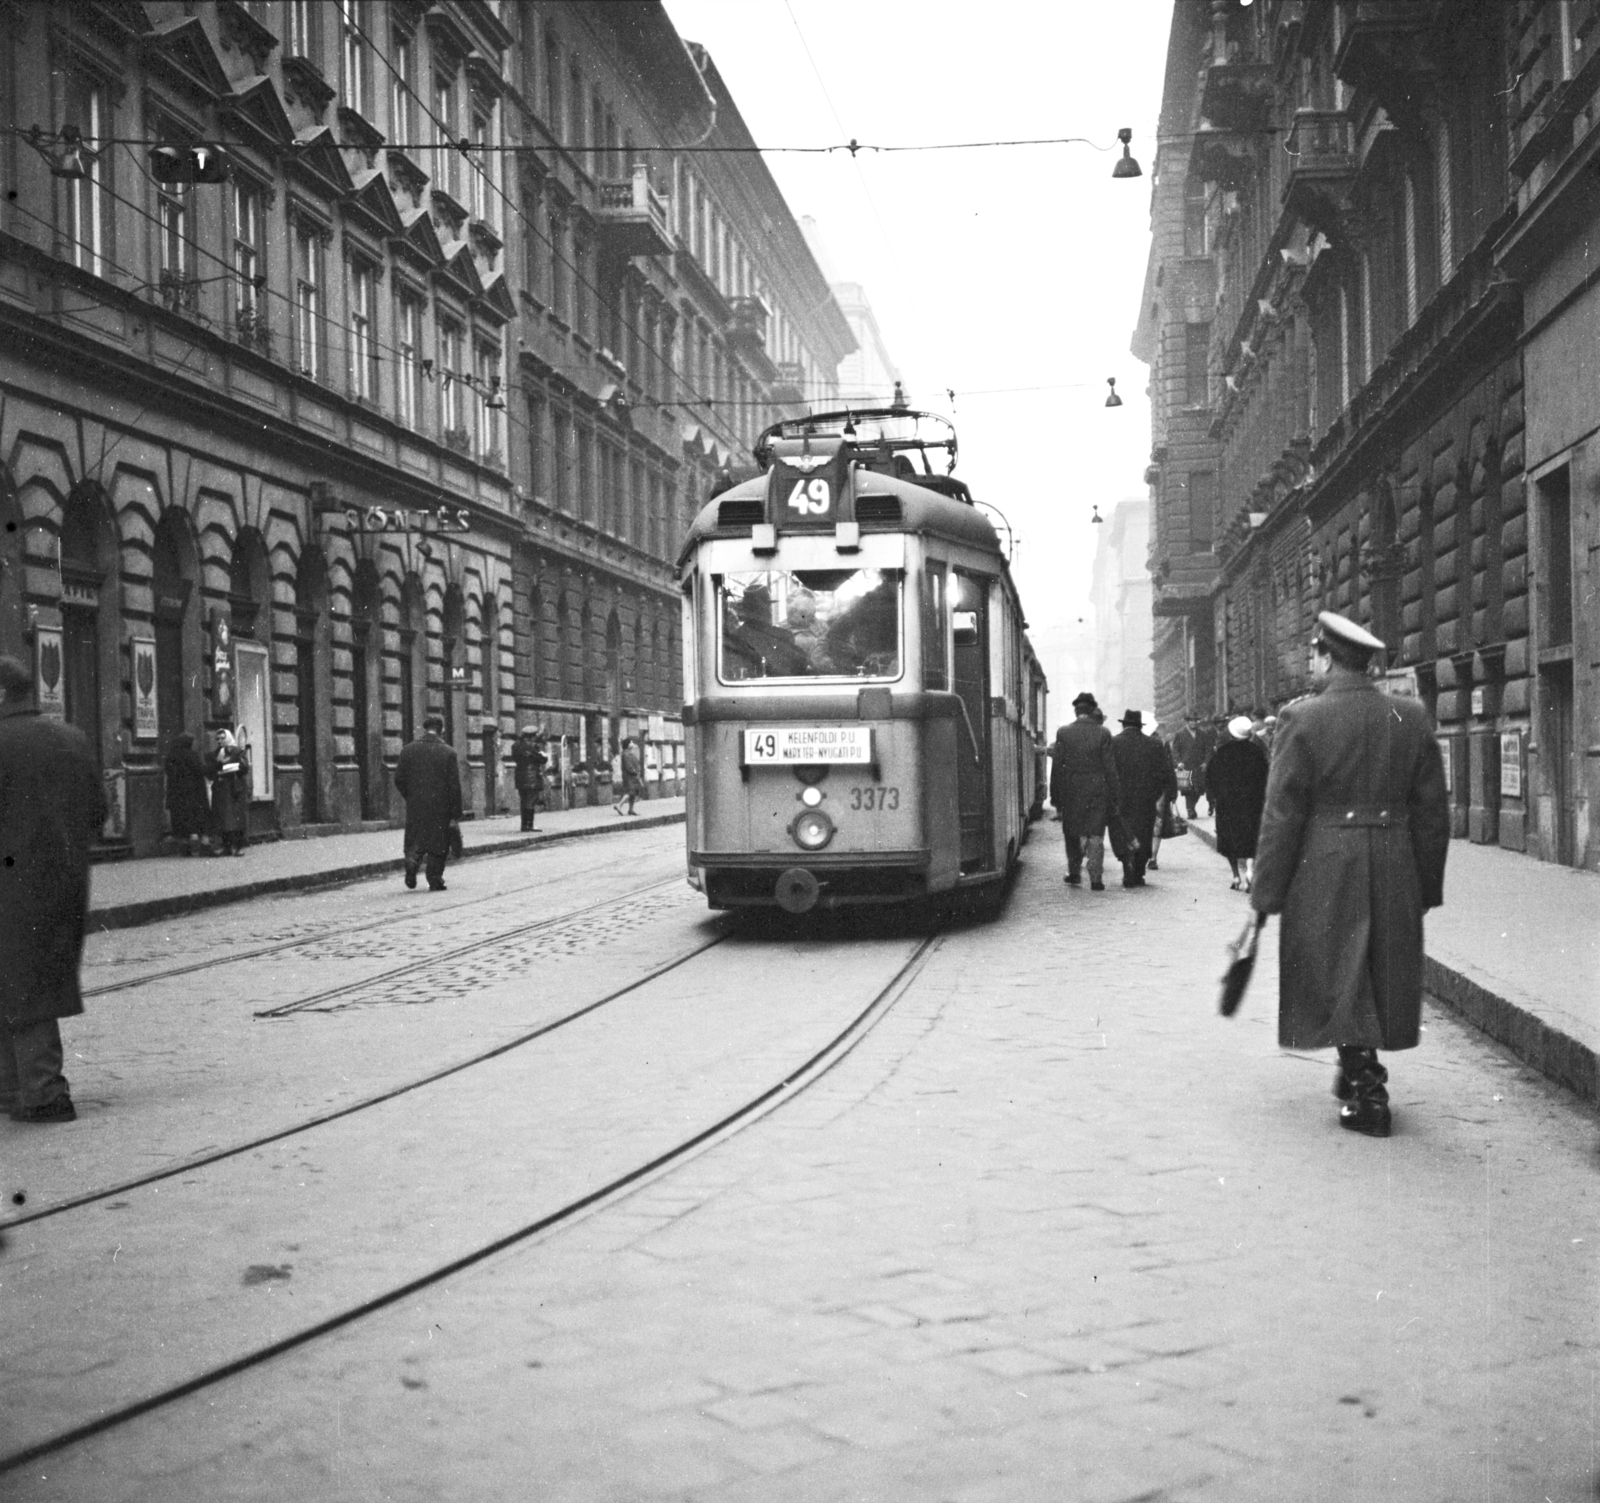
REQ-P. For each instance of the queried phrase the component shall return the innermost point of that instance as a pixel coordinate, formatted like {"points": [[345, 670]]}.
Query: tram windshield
{"points": [[810, 623]]}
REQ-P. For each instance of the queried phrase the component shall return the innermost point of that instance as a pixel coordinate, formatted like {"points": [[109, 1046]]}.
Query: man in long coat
{"points": [[429, 779], [1351, 852], [51, 804], [1144, 776], [1084, 787]]}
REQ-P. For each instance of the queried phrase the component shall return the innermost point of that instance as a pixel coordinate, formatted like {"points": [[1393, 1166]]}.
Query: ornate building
{"points": [[1353, 200], [401, 406]]}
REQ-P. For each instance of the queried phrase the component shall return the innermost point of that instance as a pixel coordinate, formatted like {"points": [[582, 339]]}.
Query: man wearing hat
{"points": [[1351, 853], [1144, 775], [51, 803], [429, 779], [1084, 787]]}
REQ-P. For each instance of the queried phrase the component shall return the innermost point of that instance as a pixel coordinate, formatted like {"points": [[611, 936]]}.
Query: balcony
{"points": [[180, 293], [1221, 157], [1322, 168], [790, 388], [1237, 96], [747, 326], [251, 330], [634, 219], [1386, 53]]}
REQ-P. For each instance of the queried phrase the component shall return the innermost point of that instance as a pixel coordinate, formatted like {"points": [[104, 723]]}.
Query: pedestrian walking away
{"points": [[51, 804], [1084, 787], [1351, 854], [1189, 763], [1144, 777], [229, 769], [529, 760], [188, 807], [1236, 785], [429, 779], [632, 776]]}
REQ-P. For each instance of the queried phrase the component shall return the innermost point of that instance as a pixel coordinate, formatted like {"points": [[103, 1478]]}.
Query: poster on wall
{"points": [[1511, 764], [1445, 756], [254, 694], [146, 722], [222, 705], [49, 683]]}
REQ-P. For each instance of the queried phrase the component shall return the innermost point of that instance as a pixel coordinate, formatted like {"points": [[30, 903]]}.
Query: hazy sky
{"points": [[989, 270]]}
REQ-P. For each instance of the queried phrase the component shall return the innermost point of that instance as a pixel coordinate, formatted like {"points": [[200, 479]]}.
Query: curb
{"points": [[130, 915], [1560, 1058]]}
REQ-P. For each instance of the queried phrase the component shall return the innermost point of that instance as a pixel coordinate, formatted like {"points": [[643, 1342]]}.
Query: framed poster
{"points": [[146, 722], [49, 681], [1510, 764], [222, 685], [254, 692], [1447, 756]]}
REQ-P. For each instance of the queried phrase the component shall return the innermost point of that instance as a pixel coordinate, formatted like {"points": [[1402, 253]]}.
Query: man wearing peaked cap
{"points": [[1351, 853]]}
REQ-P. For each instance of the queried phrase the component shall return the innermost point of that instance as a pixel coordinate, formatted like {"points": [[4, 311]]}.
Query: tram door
{"points": [[969, 618]]}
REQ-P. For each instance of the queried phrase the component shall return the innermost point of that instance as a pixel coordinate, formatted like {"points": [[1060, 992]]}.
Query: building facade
{"points": [[1121, 595], [402, 412], [1358, 207]]}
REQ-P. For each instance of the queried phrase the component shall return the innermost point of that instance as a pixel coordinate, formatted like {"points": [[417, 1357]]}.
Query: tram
{"points": [[864, 717]]}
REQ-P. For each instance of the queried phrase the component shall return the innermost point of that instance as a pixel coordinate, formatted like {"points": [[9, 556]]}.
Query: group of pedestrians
{"points": [[1332, 815], [198, 815], [1102, 783]]}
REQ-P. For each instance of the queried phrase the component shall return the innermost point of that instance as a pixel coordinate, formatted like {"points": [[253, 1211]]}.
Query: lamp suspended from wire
{"points": [[1113, 400], [1096, 517], [1126, 166], [65, 151]]}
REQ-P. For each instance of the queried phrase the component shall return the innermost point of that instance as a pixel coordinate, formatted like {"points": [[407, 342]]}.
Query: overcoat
{"points": [[429, 779], [632, 773], [1083, 778], [186, 789], [51, 804], [1236, 784], [1352, 852], [528, 758], [1145, 774], [229, 768]]}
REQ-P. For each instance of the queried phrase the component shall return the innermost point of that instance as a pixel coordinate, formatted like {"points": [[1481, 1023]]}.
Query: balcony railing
{"points": [[250, 328], [790, 387], [1322, 167], [747, 327], [1237, 96], [180, 293], [634, 219]]}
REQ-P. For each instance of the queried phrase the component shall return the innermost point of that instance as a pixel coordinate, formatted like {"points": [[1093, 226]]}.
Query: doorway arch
{"points": [[90, 618], [313, 642], [175, 570]]}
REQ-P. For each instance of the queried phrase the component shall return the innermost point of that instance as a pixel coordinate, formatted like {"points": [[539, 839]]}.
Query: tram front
{"points": [[810, 781]]}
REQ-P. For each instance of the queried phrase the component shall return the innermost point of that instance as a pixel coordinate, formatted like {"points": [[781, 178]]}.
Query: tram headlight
{"points": [[811, 797], [812, 830]]}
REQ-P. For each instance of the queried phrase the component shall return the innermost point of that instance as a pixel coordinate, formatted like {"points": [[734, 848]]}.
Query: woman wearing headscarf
{"points": [[1236, 785], [187, 804], [229, 768]]}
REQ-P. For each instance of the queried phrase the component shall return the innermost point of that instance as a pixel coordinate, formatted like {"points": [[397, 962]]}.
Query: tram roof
{"points": [[922, 509]]}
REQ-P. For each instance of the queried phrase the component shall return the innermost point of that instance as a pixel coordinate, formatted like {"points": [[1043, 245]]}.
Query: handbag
{"points": [[457, 850], [1185, 778], [1173, 824]]}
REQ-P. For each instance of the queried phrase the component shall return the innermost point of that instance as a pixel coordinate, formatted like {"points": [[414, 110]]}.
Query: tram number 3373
{"points": [[875, 796], [811, 497]]}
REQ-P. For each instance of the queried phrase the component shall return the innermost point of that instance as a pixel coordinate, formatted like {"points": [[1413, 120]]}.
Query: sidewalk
{"points": [[125, 893], [1516, 951]]}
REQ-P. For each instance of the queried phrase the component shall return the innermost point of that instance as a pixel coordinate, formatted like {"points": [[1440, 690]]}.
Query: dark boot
{"points": [[1362, 1084]]}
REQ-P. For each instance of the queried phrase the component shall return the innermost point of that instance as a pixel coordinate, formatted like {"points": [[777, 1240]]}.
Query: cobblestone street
{"points": [[1052, 1229]]}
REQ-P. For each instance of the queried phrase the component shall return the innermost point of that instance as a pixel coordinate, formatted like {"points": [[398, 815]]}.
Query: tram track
{"points": [[331, 931], [793, 1081]]}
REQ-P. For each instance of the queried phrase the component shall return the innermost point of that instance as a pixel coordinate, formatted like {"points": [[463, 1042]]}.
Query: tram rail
{"points": [[814, 1067]]}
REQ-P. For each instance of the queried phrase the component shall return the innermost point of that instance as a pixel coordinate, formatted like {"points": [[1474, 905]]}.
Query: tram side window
{"points": [[935, 652], [810, 623]]}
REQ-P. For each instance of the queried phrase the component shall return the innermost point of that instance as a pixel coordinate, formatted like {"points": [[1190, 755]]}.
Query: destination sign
{"points": [[808, 743]]}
